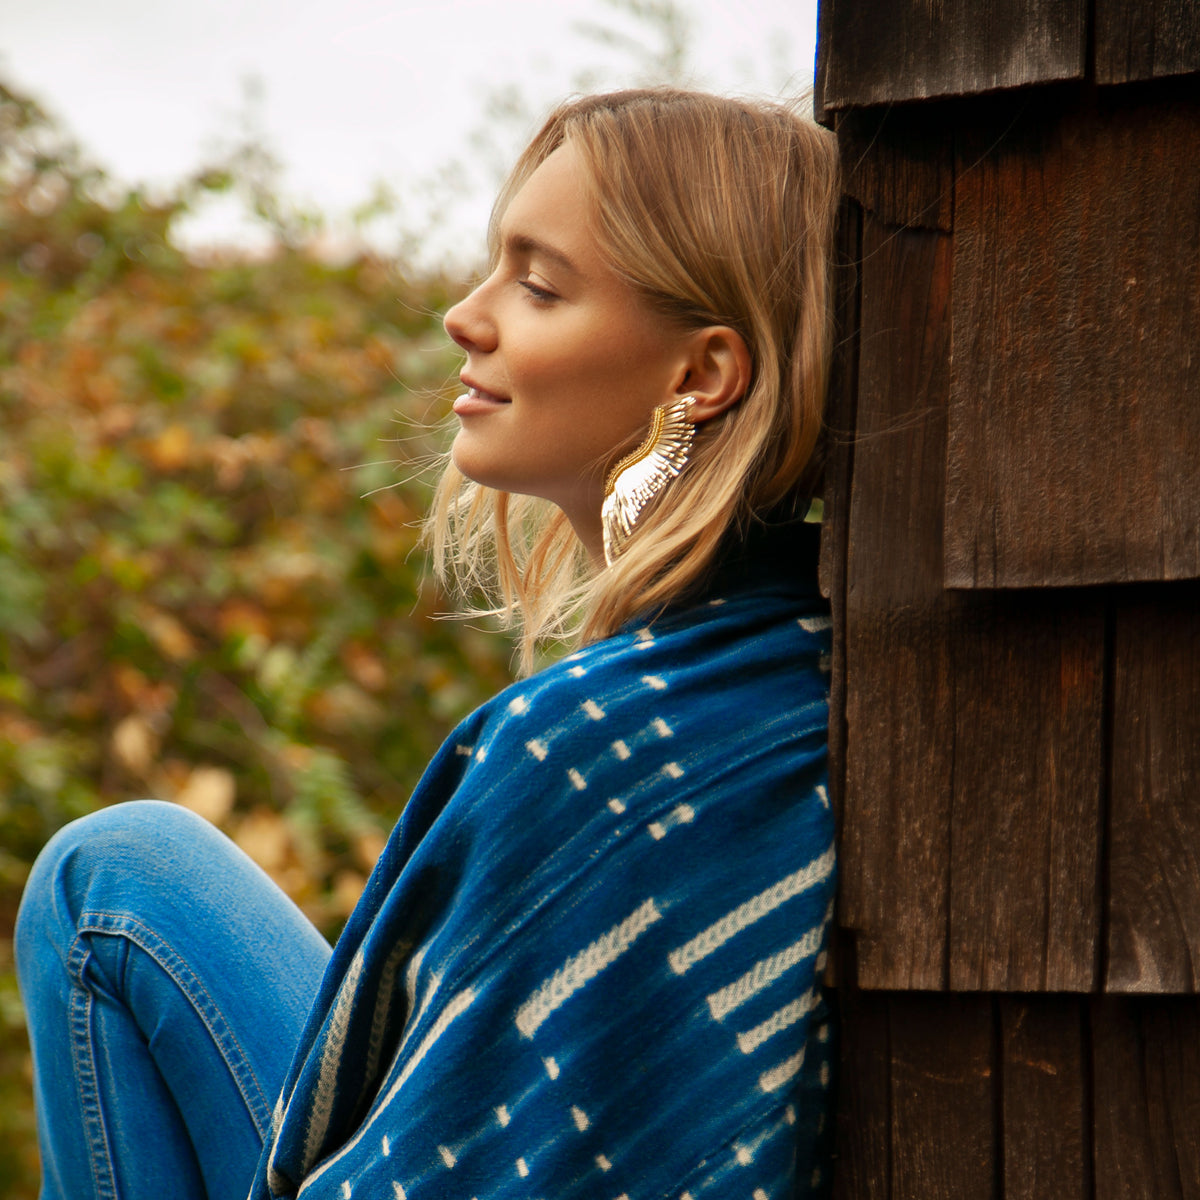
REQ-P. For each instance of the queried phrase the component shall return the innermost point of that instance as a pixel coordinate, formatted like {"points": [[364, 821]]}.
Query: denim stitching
{"points": [[79, 1020], [225, 1041]]}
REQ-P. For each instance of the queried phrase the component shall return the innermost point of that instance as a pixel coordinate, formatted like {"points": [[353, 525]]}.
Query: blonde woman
{"points": [[588, 963]]}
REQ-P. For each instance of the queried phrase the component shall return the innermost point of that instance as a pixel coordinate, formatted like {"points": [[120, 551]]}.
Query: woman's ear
{"points": [[717, 372]]}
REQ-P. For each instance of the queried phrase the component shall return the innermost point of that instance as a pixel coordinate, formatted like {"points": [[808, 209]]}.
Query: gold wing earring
{"points": [[641, 475]]}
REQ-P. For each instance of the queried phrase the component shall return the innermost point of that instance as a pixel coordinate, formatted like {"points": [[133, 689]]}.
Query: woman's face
{"points": [[565, 362]]}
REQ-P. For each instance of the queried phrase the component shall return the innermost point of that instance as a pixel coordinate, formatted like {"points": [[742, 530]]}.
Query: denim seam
{"points": [[84, 1063], [176, 967]]}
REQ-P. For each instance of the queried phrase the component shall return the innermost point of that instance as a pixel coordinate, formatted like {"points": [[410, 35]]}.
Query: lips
{"points": [[477, 400]]}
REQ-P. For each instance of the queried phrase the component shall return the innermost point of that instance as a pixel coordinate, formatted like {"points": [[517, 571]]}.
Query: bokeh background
{"points": [[226, 236]]}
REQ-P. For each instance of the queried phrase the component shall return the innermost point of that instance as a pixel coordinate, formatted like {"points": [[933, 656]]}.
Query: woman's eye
{"points": [[537, 291]]}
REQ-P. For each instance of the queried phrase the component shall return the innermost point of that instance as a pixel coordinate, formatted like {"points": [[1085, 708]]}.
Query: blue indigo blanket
{"points": [[588, 963]]}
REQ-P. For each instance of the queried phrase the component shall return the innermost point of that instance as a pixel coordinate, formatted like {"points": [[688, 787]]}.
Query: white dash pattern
{"points": [[537, 748], [764, 973], [593, 710], [754, 909], [580, 968], [776, 1077], [783, 1018]]}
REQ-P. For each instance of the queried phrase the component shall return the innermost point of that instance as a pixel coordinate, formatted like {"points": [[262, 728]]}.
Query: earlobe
{"points": [[718, 372]]}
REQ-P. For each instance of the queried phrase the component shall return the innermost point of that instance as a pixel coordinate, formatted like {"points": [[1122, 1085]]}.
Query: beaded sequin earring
{"points": [[640, 476]]}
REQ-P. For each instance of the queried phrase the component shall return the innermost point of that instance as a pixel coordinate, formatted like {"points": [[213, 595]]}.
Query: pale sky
{"points": [[354, 92]]}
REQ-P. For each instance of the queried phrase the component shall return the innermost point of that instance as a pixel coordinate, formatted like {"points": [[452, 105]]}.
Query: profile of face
{"points": [[565, 360]]}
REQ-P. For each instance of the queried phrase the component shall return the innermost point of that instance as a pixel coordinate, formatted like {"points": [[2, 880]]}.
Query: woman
{"points": [[588, 961]]}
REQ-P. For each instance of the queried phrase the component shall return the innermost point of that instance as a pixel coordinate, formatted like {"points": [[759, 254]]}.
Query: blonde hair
{"points": [[719, 212]]}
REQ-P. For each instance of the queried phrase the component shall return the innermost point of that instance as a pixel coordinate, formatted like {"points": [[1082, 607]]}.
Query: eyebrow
{"points": [[522, 243]]}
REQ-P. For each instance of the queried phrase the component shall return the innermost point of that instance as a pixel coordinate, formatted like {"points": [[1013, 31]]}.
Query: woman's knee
{"points": [[90, 862]]}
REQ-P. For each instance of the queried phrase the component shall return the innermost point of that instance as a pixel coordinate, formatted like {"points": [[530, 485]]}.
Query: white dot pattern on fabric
{"points": [[814, 624], [684, 800], [682, 814]]}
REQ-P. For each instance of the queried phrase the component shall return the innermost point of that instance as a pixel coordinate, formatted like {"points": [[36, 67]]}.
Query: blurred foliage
{"points": [[209, 587]]}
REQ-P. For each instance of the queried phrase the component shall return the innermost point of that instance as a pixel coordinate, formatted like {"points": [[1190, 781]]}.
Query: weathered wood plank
{"points": [[1074, 427], [943, 1142], [973, 721], [894, 50], [1146, 1056], [1028, 770], [863, 1165], [1045, 1108], [1154, 843], [899, 163], [1139, 40], [839, 457], [899, 695]]}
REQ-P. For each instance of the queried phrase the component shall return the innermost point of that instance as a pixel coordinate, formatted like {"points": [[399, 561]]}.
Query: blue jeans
{"points": [[166, 981]]}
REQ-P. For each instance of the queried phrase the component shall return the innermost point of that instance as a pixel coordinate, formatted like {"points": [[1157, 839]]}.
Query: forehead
{"points": [[553, 204]]}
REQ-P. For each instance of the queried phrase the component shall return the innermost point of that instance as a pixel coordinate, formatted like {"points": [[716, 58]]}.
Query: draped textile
{"points": [[588, 962]]}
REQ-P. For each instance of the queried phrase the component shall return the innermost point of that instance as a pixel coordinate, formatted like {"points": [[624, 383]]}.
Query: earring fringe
{"points": [[640, 476]]}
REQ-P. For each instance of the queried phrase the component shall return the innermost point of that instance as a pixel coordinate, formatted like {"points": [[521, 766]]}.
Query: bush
{"points": [[212, 591]]}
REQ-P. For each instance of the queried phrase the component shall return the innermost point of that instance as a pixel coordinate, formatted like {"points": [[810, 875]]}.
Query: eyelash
{"points": [[539, 294]]}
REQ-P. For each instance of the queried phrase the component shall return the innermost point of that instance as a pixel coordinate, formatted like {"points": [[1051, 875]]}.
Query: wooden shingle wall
{"points": [[1012, 550]]}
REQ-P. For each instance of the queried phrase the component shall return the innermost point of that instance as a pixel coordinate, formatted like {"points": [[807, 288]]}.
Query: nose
{"points": [[469, 323]]}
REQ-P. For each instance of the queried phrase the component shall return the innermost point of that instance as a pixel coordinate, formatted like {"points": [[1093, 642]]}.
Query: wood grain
{"points": [[1074, 426], [894, 50], [899, 163], [863, 1164], [1146, 1055], [1045, 1108], [1137, 40], [899, 695], [943, 1142], [1154, 855], [1028, 769]]}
